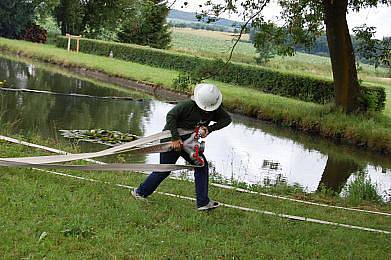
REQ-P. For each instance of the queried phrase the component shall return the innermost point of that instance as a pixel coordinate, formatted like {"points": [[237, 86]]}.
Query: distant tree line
{"points": [[130, 21], [203, 26], [360, 42]]}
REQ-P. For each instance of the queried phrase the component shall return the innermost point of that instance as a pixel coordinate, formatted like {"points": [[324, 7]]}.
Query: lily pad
{"points": [[101, 136]]}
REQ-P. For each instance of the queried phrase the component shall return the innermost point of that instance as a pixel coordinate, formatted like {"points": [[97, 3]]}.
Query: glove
{"points": [[204, 131], [177, 145]]}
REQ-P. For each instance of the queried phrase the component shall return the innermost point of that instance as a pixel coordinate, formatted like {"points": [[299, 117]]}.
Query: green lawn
{"points": [[49, 216]]}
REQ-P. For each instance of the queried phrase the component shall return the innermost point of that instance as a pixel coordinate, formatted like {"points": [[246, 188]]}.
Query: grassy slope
{"points": [[374, 132], [86, 220]]}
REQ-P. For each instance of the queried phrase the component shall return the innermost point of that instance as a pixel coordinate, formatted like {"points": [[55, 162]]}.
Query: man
{"points": [[203, 108]]}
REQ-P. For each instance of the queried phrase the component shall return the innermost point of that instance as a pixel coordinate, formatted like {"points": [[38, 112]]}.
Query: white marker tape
{"points": [[292, 217]]}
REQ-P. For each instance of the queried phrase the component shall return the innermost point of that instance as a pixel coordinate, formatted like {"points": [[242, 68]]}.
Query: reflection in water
{"points": [[267, 164], [246, 151], [336, 173]]}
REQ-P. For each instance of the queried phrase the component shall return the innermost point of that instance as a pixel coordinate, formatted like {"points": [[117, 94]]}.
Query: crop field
{"points": [[211, 44], [218, 45], [226, 36]]}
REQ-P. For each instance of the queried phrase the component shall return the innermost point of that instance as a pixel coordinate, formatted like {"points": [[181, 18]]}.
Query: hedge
{"points": [[267, 80]]}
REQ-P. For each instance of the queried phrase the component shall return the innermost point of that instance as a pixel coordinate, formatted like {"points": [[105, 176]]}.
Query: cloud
{"points": [[379, 17]]}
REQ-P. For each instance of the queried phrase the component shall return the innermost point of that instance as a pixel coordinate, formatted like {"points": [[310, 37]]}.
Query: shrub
{"points": [[267, 80], [184, 82], [35, 33]]}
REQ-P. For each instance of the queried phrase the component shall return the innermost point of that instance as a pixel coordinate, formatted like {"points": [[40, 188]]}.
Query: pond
{"points": [[248, 150]]}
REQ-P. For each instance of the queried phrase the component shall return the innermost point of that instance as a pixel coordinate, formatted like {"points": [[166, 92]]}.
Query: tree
{"points": [[306, 19], [347, 91], [276, 45], [44, 8], [75, 16], [15, 16], [70, 16], [149, 27]]}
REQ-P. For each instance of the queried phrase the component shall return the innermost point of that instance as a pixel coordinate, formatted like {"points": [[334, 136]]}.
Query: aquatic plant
{"points": [[101, 136]]}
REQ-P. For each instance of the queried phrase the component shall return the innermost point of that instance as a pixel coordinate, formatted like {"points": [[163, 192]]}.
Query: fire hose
{"points": [[148, 144]]}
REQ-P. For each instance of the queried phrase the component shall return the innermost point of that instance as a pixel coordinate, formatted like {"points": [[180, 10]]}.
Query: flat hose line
{"points": [[16, 141], [48, 161]]}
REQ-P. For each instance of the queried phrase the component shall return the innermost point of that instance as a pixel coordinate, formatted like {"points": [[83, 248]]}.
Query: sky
{"points": [[379, 17]]}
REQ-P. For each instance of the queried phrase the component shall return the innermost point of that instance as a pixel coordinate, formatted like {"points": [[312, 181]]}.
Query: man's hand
{"points": [[177, 145], [204, 131]]}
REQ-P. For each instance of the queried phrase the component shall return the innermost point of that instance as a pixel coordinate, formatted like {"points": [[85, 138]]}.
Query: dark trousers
{"points": [[201, 176]]}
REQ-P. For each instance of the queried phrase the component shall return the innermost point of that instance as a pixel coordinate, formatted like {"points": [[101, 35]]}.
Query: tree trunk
{"points": [[343, 62]]}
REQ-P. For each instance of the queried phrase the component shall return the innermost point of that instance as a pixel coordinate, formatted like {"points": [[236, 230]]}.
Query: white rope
{"points": [[12, 140], [292, 217], [300, 201]]}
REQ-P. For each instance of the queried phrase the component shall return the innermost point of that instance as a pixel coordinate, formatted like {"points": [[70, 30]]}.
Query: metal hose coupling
{"points": [[194, 148]]}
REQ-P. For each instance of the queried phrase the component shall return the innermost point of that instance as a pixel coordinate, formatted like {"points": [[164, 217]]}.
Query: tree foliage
{"points": [[93, 16], [270, 40], [304, 24], [148, 27], [377, 51], [132, 21], [44, 8], [70, 16], [15, 16]]}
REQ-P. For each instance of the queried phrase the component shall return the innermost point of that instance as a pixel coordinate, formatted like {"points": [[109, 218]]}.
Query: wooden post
{"points": [[77, 43], [69, 41]]}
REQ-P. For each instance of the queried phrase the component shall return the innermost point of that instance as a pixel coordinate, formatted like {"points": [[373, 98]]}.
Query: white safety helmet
{"points": [[207, 96]]}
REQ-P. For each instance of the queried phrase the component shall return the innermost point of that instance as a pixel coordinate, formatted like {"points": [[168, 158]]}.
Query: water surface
{"points": [[248, 150]]}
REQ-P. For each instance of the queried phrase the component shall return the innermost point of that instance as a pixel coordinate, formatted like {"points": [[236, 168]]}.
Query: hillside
{"points": [[189, 17]]}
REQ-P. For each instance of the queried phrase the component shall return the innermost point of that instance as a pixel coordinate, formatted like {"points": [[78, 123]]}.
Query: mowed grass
{"points": [[48, 216], [372, 131], [218, 44]]}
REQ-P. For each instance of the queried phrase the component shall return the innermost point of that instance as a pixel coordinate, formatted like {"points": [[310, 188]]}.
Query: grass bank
{"points": [[369, 131], [45, 215]]}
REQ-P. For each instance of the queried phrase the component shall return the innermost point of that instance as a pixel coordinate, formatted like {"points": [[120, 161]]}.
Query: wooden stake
{"points": [[69, 41], [77, 43]]}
